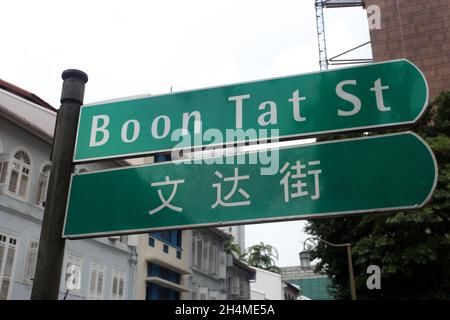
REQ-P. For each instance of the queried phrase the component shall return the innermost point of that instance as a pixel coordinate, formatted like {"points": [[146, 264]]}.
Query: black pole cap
{"points": [[74, 73], [73, 85]]}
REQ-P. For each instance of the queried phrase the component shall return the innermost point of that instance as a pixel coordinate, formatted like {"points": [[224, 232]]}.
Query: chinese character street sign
{"points": [[385, 94], [370, 174]]}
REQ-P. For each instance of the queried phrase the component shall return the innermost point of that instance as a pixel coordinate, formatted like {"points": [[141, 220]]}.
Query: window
{"points": [[199, 251], [3, 170], [20, 173], [31, 260], [155, 270], [96, 282], [43, 185], [8, 246], [151, 242], [235, 290], [213, 251], [194, 248], [206, 245], [243, 289], [203, 293], [118, 285], [222, 272], [172, 238], [194, 291], [166, 248], [178, 254], [157, 292], [73, 263]]}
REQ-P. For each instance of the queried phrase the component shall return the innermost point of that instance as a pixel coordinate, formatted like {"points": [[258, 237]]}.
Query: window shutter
{"points": [[7, 256], [3, 171], [235, 285], [118, 285], [199, 253], [13, 180], [222, 265], [31, 261], [23, 185], [212, 259], [115, 285], [100, 284], [2, 251], [194, 251], [206, 255], [93, 284], [42, 189], [121, 286], [243, 288]]}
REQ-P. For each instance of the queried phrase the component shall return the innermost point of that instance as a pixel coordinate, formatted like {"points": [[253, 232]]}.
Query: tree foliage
{"points": [[411, 248], [231, 247], [262, 256]]}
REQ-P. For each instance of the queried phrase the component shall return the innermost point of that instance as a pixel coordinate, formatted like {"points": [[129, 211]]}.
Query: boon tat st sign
{"points": [[371, 174], [386, 94]]}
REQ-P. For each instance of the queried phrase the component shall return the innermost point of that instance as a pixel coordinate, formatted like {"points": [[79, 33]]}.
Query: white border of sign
{"points": [[264, 220], [281, 138]]}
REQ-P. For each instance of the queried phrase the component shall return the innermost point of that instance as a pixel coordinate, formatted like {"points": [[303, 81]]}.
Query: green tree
{"points": [[411, 248], [262, 256]]}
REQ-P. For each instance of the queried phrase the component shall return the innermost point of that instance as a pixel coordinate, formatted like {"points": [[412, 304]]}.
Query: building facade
{"points": [[312, 285], [163, 266], [208, 263], [419, 31], [239, 277], [104, 268]]}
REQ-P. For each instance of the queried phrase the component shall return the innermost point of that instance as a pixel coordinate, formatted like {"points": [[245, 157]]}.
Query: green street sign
{"points": [[370, 174], [387, 94]]}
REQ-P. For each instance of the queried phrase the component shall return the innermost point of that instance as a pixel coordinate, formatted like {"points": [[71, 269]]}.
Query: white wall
{"points": [[267, 283]]}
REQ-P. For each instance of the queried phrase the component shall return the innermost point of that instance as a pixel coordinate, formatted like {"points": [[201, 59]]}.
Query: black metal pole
{"points": [[51, 245]]}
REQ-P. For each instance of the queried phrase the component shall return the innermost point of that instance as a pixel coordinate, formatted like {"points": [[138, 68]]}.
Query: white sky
{"points": [[136, 47]]}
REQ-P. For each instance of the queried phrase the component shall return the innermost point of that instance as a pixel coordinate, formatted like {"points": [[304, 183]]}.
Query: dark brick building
{"points": [[418, 30]]}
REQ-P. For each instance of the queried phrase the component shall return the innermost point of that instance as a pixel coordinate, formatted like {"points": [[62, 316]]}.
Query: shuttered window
{"points": [[20, 172], [31, 260], [96, 282], [8, 247], [42, 186], [3, 171], [206, 245], [118, 285]]}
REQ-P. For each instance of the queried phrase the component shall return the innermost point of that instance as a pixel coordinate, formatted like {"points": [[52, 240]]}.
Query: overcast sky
{"points": [[136, 47]]}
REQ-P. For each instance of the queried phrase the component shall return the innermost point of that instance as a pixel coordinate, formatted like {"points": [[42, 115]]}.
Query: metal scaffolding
{"points": [[324, 62]]}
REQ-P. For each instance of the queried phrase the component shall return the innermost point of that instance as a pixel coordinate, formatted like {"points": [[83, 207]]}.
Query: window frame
{"points": [[4, 169], [28, 278], [20, 173], [7, 245], [43, 174], [97, 267], [120, 275]]}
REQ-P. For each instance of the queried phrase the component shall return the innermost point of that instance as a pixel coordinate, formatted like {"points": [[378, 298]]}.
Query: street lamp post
{"points": [[305, 261]]}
